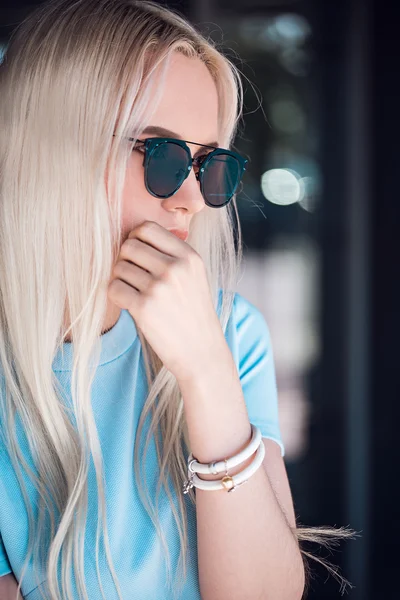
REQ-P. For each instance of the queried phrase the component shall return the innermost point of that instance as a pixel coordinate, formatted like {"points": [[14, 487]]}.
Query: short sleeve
{"points": [[249, 338], [4, 564]]}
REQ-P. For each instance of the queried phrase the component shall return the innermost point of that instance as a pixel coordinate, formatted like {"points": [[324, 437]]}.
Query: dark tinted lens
{"points": [[167, 168], [220, 179]]}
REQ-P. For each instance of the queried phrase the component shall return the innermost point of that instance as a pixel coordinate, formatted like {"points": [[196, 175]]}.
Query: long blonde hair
{"points": [[74, 74]]}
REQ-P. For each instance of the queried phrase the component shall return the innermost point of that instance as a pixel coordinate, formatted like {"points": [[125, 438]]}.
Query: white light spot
{"points": [[281, 186]]}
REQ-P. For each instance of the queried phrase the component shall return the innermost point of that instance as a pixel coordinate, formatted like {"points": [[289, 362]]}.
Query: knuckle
{"points": [[143, 304], [128, 246], [176, 266], [165, 277], [146, 226], [179, 265], [113, 287], [119, 268]]}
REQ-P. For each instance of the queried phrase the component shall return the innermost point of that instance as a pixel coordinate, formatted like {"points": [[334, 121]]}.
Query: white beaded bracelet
{"points": [[227, 482]]}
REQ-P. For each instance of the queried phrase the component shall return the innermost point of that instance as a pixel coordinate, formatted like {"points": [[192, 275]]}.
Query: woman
{"points": [[125, 353]]}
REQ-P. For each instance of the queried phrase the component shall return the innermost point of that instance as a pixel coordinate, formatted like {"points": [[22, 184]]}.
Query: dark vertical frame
{"points": [[359, 47], [340, 440], [385, 455], [326, 459]]}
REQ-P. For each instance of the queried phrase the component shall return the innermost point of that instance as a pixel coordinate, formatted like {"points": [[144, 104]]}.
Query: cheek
{"points": [[134, 181], [137, 203]]}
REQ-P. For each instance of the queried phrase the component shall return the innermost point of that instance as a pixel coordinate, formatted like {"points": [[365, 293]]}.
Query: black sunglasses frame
{"points": [[200, 162]]}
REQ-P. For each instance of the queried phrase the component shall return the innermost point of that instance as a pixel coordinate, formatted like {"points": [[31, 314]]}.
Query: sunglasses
{"points": [[167, 163]]}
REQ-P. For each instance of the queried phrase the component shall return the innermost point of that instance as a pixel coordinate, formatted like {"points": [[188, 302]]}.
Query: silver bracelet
{"points": [[219, 467], [227, 482]]}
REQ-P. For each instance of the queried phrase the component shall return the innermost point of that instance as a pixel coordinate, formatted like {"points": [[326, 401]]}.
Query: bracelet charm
{"points": [[227, 482], [188, 484]]}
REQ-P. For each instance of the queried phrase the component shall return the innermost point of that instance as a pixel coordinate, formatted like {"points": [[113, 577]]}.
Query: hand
{"points": [[162, 281]]}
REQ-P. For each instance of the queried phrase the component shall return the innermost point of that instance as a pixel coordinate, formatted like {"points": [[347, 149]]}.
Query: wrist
{"points": [[212, 367]]}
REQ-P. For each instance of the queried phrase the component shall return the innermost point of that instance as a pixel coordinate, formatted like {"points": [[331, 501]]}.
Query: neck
{"points": [[112, 315]]}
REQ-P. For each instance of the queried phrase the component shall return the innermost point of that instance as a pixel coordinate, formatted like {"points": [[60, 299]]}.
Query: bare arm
{"points": [[8, 588], [246, 545]]}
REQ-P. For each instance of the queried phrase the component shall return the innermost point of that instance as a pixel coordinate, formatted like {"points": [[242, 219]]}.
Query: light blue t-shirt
{"points": [[118, 394]]}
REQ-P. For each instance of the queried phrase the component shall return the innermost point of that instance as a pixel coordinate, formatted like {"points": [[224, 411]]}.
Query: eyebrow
{"points": [[163, 132]]}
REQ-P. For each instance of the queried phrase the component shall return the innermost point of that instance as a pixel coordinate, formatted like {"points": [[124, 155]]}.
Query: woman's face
{"points": [[189, 109]]}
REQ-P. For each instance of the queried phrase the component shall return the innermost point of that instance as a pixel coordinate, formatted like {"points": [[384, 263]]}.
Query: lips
{"points": [[183, 235]]}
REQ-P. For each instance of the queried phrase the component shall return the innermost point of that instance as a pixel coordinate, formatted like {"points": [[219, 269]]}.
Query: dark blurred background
{"points": [[320, 211]]}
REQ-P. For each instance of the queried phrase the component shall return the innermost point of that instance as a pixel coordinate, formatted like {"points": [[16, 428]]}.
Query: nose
{"points": [[188, 197]]}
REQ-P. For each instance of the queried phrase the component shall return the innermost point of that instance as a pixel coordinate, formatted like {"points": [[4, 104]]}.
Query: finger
{"points": [[132, 274], [159, 238], [123, 294], [144, 256]]}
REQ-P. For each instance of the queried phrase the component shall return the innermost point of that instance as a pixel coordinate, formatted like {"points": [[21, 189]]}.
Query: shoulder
{"points": [[243, 309], [247, 323], [249, 339]]}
